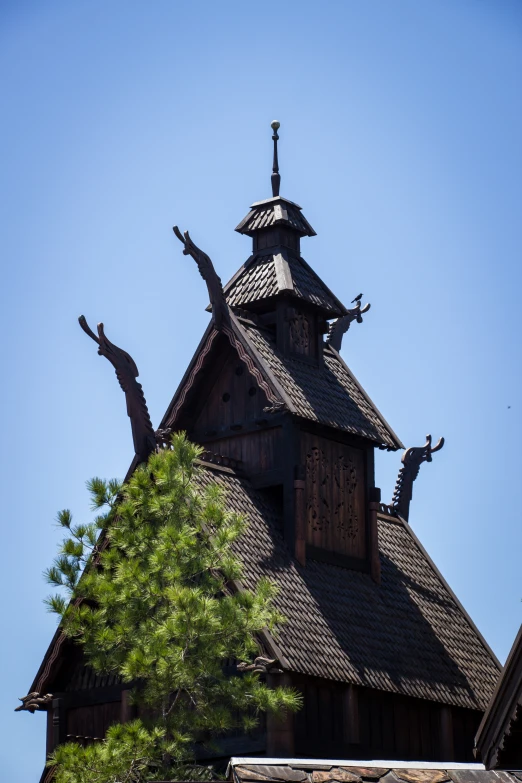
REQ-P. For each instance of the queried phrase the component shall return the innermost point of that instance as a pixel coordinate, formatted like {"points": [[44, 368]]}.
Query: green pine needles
{"points": [[153, 600]]}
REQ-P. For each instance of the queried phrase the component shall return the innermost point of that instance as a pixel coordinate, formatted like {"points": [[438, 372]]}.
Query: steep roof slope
{"points": [[343, 626], [275, 211], [266, 275], [328, 394]]}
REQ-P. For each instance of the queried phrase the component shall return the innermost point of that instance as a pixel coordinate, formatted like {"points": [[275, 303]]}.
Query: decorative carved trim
{"points": [[33, 701], [190, 380], [384, 509], [411, 460], [220, 312], [220, 459], [52, 658], [299, 332], [126, 373], [339, 327], [318, 477], [243, 355], [253, 370], [261, 665], [319, 473], [346, 478]]}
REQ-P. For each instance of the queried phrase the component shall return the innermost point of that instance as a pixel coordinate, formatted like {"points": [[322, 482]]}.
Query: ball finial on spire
{"points": [[276, 179]]}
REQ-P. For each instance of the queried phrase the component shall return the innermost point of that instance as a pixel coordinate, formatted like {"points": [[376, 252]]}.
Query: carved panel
{"points": [[299, 332], [335, 496], [317, 480]]}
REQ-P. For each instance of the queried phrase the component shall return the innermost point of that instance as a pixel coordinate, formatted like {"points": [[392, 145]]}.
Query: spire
{"points": [[275, 212], [276, 177]]}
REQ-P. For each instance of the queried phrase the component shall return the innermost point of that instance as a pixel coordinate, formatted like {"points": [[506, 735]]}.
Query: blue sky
{"points": [[401, 128]]}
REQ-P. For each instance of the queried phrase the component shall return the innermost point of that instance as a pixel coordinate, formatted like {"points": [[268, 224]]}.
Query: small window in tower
{"points": [[226, 397], [252, 391]]}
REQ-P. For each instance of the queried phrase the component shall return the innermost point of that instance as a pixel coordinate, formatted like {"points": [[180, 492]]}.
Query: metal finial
{"points": [[276, 177]]}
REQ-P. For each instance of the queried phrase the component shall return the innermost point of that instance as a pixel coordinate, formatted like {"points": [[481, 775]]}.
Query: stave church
{"points": [[389, 663]]}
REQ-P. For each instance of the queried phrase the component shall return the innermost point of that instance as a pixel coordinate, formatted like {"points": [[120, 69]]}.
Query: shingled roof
{"points": [[342, 626], [275, 211], [268, 275], [328, 394]]}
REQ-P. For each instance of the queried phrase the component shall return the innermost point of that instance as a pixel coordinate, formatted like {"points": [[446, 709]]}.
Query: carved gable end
{"points": [[231, 398], [229, 417]]}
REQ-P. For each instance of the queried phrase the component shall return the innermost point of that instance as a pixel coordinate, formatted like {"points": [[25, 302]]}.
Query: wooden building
{"points": [[390, 664]]}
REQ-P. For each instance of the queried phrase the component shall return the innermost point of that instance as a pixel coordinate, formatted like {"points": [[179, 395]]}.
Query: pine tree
{"points": [[149, 594]]}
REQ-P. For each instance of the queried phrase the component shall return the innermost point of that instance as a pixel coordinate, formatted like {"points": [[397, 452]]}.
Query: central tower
{"points": [[274, 395]]}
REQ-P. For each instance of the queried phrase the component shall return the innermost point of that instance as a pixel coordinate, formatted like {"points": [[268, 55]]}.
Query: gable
{"points": [[232, 397], [209, 357], [328, 394]]}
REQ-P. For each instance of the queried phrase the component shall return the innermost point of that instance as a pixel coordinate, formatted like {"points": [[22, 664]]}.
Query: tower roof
{"points": [[270, 274], [275, 211], [276, 267]]}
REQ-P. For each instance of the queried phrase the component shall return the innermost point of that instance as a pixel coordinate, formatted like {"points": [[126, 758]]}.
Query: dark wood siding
{"points": [[92, 721], [389, 726], [335, 496], [233, 400], [257, 451]]}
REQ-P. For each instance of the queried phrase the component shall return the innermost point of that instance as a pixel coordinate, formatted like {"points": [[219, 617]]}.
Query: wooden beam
{"points": [[59, 723], [289, 458], [351, 732], [127, 708], [300, 515], [373, 537], [272, 421], [269, 478], [280, 741], [93, 696], [446, 733]]}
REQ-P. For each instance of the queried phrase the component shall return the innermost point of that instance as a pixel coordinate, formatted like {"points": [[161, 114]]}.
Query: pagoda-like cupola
{"points": [[275, 222], [269, 390], [276, 282]]}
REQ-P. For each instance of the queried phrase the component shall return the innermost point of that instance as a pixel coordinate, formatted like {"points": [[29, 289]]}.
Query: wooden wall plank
{"points": [[335, 495]]}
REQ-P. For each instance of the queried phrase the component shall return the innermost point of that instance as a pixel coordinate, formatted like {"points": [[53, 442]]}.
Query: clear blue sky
{"points": [[401, 129]]}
